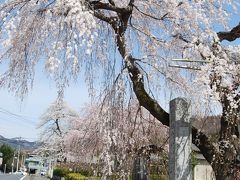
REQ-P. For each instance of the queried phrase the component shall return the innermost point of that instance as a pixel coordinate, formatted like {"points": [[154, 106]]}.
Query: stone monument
{"points": [[180, 140]]}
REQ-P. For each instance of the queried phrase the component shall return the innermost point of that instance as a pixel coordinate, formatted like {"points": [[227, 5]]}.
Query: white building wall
{"points": [[203, 172]]}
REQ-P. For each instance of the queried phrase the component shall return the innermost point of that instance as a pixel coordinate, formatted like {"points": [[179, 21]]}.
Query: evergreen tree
{"points": [[8, 153]]}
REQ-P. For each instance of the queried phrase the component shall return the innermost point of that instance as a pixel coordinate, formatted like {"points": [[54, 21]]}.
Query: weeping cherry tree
{"points": [[127, 46]]}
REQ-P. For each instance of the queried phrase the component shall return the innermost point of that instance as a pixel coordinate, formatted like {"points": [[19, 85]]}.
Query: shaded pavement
{"points": [[35, 177]]}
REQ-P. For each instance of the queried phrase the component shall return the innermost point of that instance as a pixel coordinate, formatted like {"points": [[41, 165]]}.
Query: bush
{"points": [[75, 176], [60, 171], [86, 172]]}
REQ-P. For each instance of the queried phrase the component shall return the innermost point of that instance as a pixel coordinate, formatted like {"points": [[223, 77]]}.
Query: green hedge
{"points": [[158, 177], [68, 175], [85, 175], [85, 172], [60, 171], [75, 176]]}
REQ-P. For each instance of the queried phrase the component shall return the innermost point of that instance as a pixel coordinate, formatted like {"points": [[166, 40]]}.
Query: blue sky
{"points": [[20, 118]]}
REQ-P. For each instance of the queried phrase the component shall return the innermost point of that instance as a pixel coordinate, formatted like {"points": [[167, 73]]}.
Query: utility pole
{"points": [[13, 162], [22, 160], [18, 153], [5, 167]]}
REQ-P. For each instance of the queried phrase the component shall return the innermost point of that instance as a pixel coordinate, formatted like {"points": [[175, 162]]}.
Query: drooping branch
{"points": [[230, 35], [200, 139], [149, 149]]}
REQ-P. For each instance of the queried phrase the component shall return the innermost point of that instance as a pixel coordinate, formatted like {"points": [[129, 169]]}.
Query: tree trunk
{"points": [[225, 162], [224, 171]]}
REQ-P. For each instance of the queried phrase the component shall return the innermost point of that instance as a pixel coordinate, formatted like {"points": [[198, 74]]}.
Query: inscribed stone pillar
{"points": [[180, 140], [139, 169]]}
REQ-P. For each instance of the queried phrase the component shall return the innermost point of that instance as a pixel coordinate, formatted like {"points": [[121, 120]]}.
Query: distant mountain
{"points": [[15, 142]]}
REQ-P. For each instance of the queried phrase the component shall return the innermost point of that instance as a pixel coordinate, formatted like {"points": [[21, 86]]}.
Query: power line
{"points": [[17, 116], [16, 120]]}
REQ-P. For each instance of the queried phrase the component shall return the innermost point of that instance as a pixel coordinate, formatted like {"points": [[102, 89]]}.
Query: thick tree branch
{"points": [[143, 97], [58, 127], [200, 139], [230, 35], [131, 2], [97, 5], [203, 142], [111, 2], [109, 20]]}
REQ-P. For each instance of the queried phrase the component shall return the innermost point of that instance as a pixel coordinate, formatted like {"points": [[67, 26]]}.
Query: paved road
{"points": [[10, 176], [21, 177]]}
